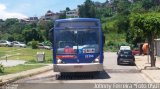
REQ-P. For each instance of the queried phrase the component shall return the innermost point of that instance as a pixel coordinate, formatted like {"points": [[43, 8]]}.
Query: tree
{"points": [[114, 4], [147, 25], [81, 10], [147, 4], [62, 14], [132, 39], [156, 2], [123, 6], [44, 27], [30, 34], [11, 25], [107, 1], [68, 9], [87, 9], [122, 24], [136, 7]]}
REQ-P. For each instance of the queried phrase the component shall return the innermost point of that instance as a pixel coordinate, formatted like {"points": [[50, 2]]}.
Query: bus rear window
{"points": [[77, 24]]}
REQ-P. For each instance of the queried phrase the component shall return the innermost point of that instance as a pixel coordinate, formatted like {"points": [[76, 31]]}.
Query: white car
{"points": [[42, 46], [124, 48], [18, 44], [5, 43]]}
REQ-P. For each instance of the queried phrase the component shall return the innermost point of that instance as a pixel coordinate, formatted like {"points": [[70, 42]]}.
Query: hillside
{"points": [[115, 16]]}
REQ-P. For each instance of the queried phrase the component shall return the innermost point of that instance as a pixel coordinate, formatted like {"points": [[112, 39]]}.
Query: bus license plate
{"points": [[77, 66]]}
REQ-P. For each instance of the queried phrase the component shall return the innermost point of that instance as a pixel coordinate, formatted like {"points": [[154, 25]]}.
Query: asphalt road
{"points": [[112, 73]]}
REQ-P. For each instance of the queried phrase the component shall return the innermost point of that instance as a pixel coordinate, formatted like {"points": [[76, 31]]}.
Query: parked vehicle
{"points": [[135, 52], [124, 48], [5, 43], [42, 46], [125, 56], [18, 44]]}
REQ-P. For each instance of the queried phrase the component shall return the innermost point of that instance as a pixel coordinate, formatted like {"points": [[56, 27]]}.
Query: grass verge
{"points": [[2, 54], [20, 68], [114, 41], [27, 54]]}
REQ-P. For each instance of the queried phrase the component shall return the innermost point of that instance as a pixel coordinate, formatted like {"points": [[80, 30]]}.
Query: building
{"points": [[50, 16], [72, 14], [30, 20], [62, 11]]}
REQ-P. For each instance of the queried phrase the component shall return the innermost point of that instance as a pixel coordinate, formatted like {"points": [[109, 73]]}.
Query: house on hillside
{"points": [[50, 16], [72, 14], [29, 20]]}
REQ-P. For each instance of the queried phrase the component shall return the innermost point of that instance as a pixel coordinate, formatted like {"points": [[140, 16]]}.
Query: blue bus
{"points": [[78, 45]]}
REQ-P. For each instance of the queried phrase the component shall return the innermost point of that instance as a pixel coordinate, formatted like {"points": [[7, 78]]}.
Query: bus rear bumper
{"points": [[85, 67]]}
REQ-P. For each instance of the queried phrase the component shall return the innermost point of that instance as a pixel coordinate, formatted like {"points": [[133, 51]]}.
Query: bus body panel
{"points": [[83, 67]]}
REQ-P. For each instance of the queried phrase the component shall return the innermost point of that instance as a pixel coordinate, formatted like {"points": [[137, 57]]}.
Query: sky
{"points": [[28, 8]]}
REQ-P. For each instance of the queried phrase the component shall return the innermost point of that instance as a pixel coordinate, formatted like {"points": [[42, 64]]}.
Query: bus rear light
{"points": [[66, 56]]}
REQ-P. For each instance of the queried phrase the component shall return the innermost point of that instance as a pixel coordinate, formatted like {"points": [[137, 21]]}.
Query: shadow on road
{"points": [[126, 64], [83, 76]]}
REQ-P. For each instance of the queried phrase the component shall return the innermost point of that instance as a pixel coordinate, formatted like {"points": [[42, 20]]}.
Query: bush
{"points": [[1, 68], [34, 44], [32, 61], [29, 43], [48, 43], [111, 43]]}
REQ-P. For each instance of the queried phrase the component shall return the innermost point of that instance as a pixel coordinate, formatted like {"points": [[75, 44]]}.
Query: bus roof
{"points": [[77, 19]]}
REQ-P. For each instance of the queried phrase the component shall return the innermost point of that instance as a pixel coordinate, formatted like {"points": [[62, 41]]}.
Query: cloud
{"points": [[2, 7], [5, 14]]}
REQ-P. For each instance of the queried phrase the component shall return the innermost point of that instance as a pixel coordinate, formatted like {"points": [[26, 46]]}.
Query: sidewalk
{"points": [[10, 63], [142, 62], [13, 77]]}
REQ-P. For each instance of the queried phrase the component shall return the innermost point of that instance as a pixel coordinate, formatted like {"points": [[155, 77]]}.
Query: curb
{"points": [[13, 77]]}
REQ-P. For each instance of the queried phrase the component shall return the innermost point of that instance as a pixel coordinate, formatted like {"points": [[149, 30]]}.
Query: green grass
{"points": [[27, 54], [113, 41], [2, 54], [7, 48], [19, 68]]}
